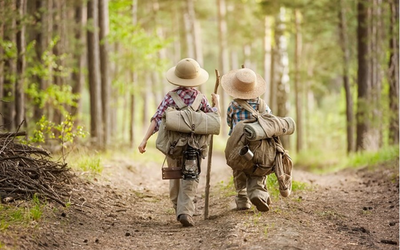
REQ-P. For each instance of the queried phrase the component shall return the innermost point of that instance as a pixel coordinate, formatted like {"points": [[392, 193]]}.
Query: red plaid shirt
{"points": [[188, 95]]}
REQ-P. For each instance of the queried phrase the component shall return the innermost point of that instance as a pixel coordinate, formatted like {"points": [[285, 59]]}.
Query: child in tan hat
{"points": [[246, 85], [187, 75]]}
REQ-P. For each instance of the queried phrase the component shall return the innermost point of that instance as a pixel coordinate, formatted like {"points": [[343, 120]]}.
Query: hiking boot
{"points": [[243, 206], [261, 204], [186, 220], [242, 202]]}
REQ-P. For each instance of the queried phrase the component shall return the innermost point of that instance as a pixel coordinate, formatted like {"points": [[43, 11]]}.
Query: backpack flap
{"points": [[192, 120]]}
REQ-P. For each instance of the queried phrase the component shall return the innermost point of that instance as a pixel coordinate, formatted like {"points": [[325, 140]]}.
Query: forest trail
{"points": [[128, 208]]}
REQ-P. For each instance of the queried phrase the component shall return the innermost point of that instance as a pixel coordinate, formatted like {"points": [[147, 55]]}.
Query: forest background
{"points": [[75, 68]]}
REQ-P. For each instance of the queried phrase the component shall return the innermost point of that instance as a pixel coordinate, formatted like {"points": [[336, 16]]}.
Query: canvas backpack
{"points": [[269, 156], [173, 143]]}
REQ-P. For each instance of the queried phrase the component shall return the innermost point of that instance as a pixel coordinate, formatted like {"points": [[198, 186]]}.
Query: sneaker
{"points": [[261, 204], [186, 220]]}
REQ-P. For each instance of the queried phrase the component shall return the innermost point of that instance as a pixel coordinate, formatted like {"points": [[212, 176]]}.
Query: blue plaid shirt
{"points": [[237, 113]]}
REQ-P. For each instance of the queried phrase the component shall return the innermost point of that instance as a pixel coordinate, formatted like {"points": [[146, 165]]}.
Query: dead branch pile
{"points": [[27, 170]]}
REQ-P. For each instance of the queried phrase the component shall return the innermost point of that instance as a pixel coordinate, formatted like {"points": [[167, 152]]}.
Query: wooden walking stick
{"points": [[207, 198]]}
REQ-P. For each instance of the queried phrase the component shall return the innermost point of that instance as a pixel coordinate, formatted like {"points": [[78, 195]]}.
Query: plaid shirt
{"points": [[237, 113], [188, 95]]}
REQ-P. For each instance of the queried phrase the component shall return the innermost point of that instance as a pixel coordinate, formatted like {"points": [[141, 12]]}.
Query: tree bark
{"points": [[134, 77], [298, 89], [267, 56], [9, 72], [19, 85], [79, 56], [363, 75], [281, 71], [2, 59], [394, 73], [104, 67], [96, 122], [223, 59], [346, 84]]}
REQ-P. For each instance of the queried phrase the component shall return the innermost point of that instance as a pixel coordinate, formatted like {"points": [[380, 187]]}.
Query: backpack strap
{"points": [[178, 101], [248, 107], [196, 103]]}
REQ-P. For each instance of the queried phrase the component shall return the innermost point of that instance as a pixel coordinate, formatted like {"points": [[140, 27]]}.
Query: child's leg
{"points": [[258, 193], [240, 180]]}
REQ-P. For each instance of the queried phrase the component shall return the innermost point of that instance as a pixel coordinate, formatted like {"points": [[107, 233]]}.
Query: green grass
{"points": [[10, 215], [90, 163], [328, 161]]}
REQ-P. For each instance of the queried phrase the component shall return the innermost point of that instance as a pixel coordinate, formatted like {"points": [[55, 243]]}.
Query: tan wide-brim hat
{"points": [[243, 84], [187, 73]]}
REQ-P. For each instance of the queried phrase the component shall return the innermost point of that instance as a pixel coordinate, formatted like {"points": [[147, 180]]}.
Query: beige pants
{"points": [[182, 192], [248, 185]]}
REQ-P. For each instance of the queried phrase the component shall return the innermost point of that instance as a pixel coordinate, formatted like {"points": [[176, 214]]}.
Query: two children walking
{"points": [[243, 85]]}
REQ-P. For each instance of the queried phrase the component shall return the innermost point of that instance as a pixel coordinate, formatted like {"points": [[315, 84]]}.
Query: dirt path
{"points": [[128, 208]]}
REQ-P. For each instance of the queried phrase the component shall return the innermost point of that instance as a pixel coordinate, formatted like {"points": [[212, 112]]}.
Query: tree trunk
{"points": [[2, 59], [8, 113], [223, 59], [96, 122], [281, 71], [134, 78], [346, 84], [79, 55], [364, 74], [104, 67], [196, 34], [297, 89], [267, 56], [39, 49], [394, 73], [19, 85]]}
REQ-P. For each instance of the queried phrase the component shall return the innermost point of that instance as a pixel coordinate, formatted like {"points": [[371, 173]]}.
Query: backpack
{"points": [[173, 143], [263, 141]]}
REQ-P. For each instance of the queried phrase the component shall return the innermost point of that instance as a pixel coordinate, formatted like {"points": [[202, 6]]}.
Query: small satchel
{"points": [[189, 119]]}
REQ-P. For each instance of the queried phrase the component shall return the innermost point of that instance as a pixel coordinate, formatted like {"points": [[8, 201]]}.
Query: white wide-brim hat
{"points": [[243, 84], [187, 73]]}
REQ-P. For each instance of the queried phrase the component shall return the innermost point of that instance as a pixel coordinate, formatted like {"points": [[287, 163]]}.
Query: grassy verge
{"points": [[325, 162]]}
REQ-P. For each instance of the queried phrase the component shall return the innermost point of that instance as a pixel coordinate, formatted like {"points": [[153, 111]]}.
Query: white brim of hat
{"points": [[226, 83], [199, 80]]}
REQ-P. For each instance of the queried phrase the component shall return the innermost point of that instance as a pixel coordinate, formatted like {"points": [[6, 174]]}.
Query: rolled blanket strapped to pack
{"points": [[268, 126]]}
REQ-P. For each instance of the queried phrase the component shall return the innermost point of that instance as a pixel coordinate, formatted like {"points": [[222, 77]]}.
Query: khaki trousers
{"points": [[182, 192], [248, 185]]}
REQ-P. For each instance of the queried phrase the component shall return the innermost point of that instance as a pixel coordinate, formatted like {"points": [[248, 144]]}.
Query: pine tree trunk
{"points": [[394, 73], [364, 74], [96, 122], [134, 78], [10, 70], [267, 56], [2, 37], [79, 56], [19, 85], [104, 67], [298, 90], [346, 84], [223, 60]]}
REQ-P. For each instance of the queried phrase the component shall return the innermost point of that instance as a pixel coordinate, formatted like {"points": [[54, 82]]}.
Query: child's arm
{"points": [[142, 146]]}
